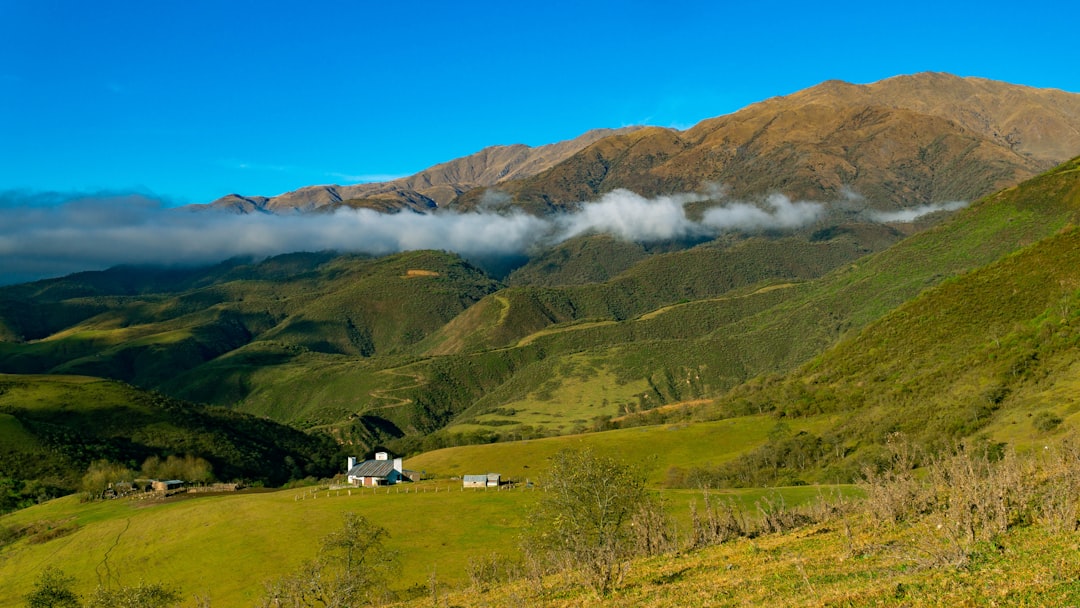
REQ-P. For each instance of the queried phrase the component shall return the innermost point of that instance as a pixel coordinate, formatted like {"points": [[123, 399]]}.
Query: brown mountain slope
{"points": [[430, 188], [901, 142], [1041, 123]]}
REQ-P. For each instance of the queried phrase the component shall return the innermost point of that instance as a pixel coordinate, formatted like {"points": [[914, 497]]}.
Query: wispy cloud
{"points": [[910, 215], [232, 163], [334, 176], [364, 178]]}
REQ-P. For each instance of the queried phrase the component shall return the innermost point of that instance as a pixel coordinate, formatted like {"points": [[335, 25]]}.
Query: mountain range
{"points": [[950, 326], [901, 142], [429, 189]]}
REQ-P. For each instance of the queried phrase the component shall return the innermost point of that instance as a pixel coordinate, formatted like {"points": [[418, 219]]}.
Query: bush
{"points": [[52, 589], [1046, 421]]}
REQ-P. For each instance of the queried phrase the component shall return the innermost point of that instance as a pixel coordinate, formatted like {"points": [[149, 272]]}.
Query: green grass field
{"points": [[656, 448], [226, 546]]}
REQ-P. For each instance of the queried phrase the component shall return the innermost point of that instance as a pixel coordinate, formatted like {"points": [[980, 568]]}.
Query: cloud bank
{"points": [[42, 236]]}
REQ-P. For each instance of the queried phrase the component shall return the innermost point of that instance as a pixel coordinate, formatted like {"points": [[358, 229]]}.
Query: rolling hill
{"points": [[423, 349], [53, 427]]}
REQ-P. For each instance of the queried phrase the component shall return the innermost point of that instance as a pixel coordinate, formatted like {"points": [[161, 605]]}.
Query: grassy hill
{"points": [[703, 347], [246, 539], [149, 327], [53, 427], [397, 348], [461, 547], [988, 354]]}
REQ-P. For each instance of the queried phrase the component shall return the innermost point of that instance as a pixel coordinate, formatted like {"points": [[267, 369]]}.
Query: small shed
{"points": [[491, 480], [474, 481]]}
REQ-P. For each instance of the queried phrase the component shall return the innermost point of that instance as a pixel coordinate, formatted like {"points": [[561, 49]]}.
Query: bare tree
{"points": [[583, 518], [351, 569]]}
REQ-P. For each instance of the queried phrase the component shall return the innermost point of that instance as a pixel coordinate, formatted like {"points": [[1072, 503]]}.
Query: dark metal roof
{"points": [[372, 468]]}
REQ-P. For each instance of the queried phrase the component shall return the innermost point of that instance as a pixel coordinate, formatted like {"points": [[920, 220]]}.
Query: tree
{"points": [[187, 468], [583, 518], [351, 564], [52, 589], [357, 542], [101, 474]]}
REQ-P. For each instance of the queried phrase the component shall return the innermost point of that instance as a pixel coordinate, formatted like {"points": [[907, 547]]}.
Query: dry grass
{"points": [[969, 527]]}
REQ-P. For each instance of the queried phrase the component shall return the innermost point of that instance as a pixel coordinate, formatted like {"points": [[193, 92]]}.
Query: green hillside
{"points": [[147, 328], [363, 346], [53, 427], [987, 355], [702, 348], [397, 348], [439, 530]]}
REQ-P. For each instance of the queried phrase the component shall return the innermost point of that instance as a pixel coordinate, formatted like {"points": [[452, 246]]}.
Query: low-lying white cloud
{"points": [[632, 217], [914, 213], [781, 213], [42, 236]]}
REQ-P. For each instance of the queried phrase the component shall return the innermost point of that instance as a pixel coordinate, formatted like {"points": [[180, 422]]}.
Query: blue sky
{"points": [[188, 101]]}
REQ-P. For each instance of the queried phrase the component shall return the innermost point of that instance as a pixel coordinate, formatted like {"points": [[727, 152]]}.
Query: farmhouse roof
{"points": [[474, 478], [372, 468]]}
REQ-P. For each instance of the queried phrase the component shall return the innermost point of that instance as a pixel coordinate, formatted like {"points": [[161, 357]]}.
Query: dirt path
{"points": [[667, 408], [645, 317], [663, 309], [383, 393], [559, 330]]}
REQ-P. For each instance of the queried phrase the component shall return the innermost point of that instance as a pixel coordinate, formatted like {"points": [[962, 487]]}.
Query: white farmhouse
{"points": [[382, 471]]}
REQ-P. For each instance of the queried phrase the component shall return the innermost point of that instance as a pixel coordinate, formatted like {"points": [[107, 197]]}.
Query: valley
{"points": [[815, 376]]}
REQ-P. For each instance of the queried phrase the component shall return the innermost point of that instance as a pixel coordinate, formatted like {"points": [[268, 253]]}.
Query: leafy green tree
{"points": [[101, 474], [52, 589], [187, 468], [582, 521]]}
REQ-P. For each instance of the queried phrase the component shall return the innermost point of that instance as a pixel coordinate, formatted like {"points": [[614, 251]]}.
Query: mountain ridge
{"points": [[881, 142], [428, 189], [898, 143]]}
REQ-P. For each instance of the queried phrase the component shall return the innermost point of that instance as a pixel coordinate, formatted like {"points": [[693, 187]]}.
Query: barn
{"points": [[380, 471]]}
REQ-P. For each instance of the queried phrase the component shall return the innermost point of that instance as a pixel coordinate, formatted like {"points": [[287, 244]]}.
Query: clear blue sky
{"points": [[188, 101]]}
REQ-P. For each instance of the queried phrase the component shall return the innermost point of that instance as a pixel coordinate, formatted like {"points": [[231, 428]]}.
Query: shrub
{"points": [[1046, 421]]}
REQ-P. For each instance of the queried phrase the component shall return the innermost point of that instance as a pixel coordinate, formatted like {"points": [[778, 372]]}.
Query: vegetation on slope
{"points": [[967, 527], [988, 353], [403, 346], [53, 427]]}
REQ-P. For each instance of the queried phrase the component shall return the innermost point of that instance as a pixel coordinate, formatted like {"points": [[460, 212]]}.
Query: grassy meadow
{"points": [[226, 546], [656, 449]]}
